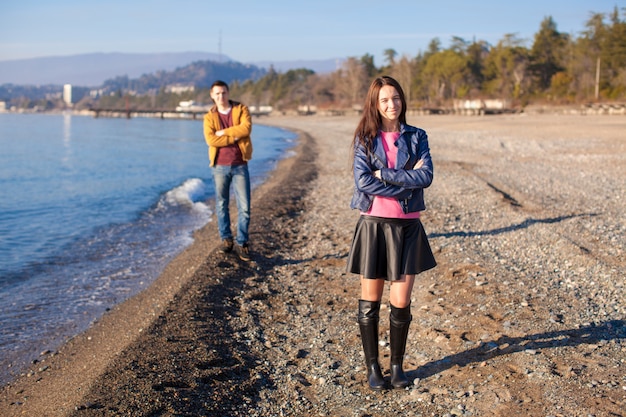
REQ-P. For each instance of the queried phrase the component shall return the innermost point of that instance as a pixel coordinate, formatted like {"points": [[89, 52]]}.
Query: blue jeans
{"points": [[223, 177]]}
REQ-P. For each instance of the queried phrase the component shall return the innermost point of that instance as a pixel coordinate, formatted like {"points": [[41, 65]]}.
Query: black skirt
{"points": [[388, 248]]}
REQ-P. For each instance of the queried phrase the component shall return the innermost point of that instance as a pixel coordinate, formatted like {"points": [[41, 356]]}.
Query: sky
{"points": [[276, 30]]}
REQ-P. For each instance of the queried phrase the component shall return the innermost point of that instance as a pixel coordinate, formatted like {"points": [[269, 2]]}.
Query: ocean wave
{"points": [[192, 193]]}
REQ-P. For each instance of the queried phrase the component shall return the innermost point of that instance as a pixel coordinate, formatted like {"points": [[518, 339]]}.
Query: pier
{"points": [[161, 113], [154, 113]]}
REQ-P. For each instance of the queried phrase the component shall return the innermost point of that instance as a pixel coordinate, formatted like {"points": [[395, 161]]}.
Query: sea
{"points": [[91, 211]]}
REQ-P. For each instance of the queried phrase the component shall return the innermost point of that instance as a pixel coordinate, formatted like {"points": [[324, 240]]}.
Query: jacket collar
{"points": [[232, 106], [403, 147]]}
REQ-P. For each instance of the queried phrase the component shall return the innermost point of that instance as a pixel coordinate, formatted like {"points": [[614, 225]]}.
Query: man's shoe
{"points": [[244, 252], [227, 245]]}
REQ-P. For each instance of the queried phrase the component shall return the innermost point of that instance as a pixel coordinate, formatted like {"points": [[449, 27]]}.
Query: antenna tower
{"points": [[219, 45]]}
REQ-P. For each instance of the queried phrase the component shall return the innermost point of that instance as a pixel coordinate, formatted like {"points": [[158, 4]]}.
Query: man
{"points": [[227, 128]]}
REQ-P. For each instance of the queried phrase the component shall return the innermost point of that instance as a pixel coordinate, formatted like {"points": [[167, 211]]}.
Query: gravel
{"points": [[524, 315]]}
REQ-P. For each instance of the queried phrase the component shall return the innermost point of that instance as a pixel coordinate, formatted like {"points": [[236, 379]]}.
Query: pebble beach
{"points": [[525, 313]]}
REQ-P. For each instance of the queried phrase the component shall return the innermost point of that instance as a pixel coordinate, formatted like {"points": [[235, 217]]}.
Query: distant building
{"points": [[3, 106], [67, 94], [192, 106], [179, 88], [96, 93]]}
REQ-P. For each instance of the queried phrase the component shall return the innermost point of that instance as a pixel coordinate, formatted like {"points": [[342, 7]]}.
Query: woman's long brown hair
{"points": [[371, 121]]}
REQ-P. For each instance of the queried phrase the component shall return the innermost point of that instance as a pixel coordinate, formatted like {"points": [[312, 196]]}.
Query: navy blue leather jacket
{"points": [[401, 182]]}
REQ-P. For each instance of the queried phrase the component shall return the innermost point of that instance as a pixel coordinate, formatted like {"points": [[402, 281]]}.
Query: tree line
{"points": [[558, 68]]}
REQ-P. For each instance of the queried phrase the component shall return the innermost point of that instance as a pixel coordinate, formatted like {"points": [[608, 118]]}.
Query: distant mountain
{"points": [[199, 74], [91, 70]]}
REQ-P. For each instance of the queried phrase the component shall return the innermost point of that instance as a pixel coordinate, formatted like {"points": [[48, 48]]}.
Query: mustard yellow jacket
{"points": [[242, 128]]}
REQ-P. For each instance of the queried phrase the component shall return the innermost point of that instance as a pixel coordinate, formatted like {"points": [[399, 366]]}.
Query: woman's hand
{"points": [[418, 164], [377, 174]]}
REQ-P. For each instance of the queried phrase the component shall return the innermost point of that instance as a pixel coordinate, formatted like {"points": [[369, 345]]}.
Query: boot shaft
{"points": [[400, 316], [369, 311], [368, 325], [399, 322]]}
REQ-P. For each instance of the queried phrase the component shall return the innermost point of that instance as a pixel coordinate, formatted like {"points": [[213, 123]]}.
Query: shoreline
{"points": [[216, 336], [84, 357], [98, 261]]}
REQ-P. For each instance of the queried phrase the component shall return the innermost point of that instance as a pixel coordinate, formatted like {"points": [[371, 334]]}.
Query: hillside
{"points": [[199, 74], [92, 70]]}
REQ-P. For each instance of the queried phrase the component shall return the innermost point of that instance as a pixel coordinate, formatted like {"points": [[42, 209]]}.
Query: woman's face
{"points": [[389, 103]]}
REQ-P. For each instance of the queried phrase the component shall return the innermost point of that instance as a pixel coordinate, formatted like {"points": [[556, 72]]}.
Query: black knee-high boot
{"points": [[368, 324], [399, 321]]}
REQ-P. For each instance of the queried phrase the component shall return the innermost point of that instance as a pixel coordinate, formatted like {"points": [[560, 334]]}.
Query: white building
{"points": [[191, 106], [179, 88], [67, 94]]}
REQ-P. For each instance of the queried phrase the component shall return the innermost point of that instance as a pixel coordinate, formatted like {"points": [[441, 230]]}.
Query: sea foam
{"points": [[188, 194]]}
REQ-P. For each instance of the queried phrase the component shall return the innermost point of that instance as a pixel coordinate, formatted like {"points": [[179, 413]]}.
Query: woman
{"points": [[392, 166]]}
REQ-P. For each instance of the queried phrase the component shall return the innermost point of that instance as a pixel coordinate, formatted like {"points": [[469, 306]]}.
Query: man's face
{"points": [[219, 94]]}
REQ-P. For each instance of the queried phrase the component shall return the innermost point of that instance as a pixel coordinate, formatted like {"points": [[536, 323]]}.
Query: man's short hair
{"points": [[219, 83]]}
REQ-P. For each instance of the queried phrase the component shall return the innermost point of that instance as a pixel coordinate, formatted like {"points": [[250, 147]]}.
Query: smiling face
{"points": [[389, 106], [219, 94]]}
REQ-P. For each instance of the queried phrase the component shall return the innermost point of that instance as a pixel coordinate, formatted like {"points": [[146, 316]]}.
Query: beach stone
{"points": [[516, 314]]}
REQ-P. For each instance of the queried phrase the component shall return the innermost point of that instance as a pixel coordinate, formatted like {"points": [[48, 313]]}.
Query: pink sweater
{"points": [[387, 206]]}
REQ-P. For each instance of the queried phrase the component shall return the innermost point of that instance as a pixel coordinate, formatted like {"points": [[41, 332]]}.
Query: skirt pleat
{"points": [[388, 248]]}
